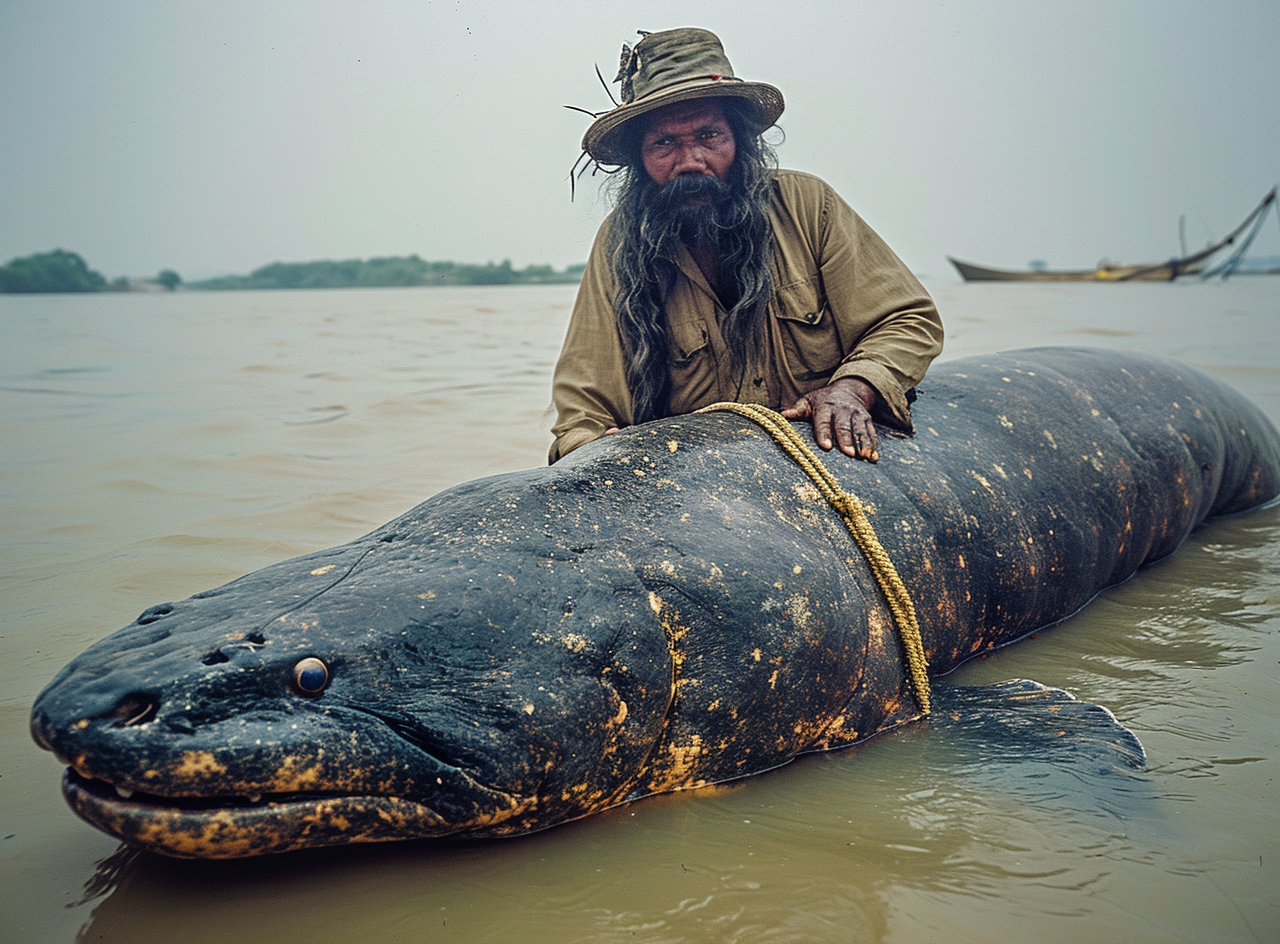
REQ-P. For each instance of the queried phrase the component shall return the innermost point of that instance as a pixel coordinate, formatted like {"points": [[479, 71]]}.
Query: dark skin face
{"points": [[691, 137], [694, 137]]}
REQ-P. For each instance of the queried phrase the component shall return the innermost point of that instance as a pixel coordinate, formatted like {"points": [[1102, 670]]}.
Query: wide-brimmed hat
{"points": [[674, 66]]}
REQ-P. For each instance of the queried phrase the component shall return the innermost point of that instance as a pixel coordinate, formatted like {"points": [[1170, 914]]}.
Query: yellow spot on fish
{"points": [[638, 472], [575, 643], [655, 602], [429, 595], [756, 654], [292, 777], [321, 571], [528, 709], [683, 759], [672, 445], [795, 569], [1004, 421], [198, 764], [807, 492]]}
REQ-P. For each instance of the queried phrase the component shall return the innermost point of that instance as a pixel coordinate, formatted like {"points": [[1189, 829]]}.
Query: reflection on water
{"points": [[107, 874], [158, 446]]}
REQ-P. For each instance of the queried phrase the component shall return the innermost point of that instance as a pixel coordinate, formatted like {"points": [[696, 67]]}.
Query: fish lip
{"points": [[107, 793], [214, 827]]}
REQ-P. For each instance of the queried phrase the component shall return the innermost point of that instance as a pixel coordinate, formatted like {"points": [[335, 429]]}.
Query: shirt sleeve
{"points": [[870, 289], [589, 387]]}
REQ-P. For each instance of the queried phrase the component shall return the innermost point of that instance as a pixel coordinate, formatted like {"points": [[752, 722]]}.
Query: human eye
{"points": [[662, 145]]}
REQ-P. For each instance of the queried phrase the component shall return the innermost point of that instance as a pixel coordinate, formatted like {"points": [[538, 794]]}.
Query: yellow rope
{"points": [[864, 535]]}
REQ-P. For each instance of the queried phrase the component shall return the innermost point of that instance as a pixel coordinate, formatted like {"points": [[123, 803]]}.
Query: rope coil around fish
{"points": [[854, 515]]}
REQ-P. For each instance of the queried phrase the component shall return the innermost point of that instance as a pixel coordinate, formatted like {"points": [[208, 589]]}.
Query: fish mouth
{"points": [[228, 827]]}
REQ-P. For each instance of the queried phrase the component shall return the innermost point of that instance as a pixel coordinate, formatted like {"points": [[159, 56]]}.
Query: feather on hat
{"points": [[674, 66]]}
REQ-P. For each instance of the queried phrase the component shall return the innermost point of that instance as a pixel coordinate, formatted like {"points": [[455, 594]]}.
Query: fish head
{"points": [[392, 688]]}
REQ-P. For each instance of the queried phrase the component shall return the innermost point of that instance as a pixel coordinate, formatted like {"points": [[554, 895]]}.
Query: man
{"points": [[718, 277]]}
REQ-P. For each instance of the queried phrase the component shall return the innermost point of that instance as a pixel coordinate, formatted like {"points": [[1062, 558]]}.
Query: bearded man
{"points": [[720, 277]]}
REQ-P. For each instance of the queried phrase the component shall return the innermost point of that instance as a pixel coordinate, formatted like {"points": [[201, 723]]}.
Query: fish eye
{"points": [[310, 676]]}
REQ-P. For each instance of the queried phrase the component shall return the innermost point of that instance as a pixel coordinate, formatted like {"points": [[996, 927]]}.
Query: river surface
{"points": [[152, 446]]}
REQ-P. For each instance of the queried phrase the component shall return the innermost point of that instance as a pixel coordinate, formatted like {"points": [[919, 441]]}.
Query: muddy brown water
{"points": [[158, 445]]}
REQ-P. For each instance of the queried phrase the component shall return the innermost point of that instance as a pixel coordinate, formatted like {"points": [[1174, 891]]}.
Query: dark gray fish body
{"points": [[670, 607]]}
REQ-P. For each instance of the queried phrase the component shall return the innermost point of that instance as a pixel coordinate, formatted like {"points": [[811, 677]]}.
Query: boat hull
{"points": [[1117, 273]]}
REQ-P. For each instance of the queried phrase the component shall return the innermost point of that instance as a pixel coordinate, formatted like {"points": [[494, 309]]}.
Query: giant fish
{"points": [[669, 607]]}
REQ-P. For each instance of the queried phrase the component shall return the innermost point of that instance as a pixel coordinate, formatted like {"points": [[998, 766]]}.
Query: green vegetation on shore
{"points": [[62, 271], [56, 271], [388, 271]]}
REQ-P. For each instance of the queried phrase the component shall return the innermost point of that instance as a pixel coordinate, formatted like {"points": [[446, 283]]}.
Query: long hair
{"points": [[645, 242]]}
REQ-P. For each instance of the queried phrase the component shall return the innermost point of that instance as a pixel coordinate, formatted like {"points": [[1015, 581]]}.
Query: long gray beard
{"points": [[698, 211], [695, 210]]}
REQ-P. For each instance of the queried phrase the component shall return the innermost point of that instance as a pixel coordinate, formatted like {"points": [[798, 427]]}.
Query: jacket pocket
{"points": [[687, 339], [810, 341], [693, 369]]}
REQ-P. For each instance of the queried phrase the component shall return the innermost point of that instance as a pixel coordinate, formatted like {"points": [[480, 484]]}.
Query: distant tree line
{"points": [[388, 271], [56, 271], [62, 271]]}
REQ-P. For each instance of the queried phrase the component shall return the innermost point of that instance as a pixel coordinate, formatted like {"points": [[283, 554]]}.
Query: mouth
{"points": [[228, 827]]}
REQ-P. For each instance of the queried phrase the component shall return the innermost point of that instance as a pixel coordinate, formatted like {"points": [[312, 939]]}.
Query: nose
{"points": [[691, 158]]}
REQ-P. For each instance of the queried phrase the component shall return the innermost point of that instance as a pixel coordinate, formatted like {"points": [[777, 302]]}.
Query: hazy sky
{"points": [[214, 137]]}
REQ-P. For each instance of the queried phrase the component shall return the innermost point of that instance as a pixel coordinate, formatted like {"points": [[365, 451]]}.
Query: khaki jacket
{"points": [[843, 306]]}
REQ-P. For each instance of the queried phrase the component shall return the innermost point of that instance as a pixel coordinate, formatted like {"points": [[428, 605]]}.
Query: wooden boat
{"points": [[1107, 272]]}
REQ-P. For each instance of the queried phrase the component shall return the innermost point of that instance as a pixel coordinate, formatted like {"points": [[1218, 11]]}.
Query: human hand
{"points": [[842, 409]]}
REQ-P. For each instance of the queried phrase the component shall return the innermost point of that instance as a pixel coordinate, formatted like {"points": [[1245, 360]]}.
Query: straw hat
{"points": [[674, 66]]}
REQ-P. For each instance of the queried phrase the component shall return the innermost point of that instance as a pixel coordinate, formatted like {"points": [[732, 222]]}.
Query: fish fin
{"points": [[1022, 720]]}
